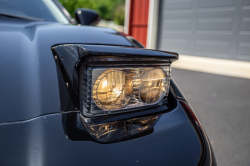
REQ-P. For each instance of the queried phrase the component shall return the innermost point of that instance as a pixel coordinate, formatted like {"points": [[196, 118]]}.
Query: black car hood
{"points": [[57, 33], [29, 84]]}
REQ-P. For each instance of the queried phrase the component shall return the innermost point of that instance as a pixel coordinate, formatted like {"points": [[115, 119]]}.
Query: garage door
{"points": [[210, 28]]}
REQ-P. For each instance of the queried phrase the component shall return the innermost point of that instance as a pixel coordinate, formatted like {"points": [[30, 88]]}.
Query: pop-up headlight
{"points": [[104, 80], [113, 90]]}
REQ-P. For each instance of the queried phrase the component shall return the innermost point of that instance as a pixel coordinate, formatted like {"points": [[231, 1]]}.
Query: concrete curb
{"points": [[231, 68]]}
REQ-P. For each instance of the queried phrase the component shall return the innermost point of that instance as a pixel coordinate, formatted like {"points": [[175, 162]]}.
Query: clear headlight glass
{"points": [[112, 90], [153, 86], [105, 90]]}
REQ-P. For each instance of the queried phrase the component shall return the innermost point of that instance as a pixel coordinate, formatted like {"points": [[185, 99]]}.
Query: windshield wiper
{"points": [[22, 17]]}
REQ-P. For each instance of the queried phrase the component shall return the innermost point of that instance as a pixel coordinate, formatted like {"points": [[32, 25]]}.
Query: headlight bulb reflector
{"points": [[153, 86], [112, 90]]}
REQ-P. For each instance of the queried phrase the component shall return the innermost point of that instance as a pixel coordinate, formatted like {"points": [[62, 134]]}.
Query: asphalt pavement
{"points": [[222, 104]]}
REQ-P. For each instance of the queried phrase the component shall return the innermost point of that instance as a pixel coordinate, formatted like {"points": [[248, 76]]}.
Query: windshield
{"points": [[43, 9]]}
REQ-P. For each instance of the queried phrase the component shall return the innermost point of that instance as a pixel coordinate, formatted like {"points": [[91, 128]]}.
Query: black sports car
{"points": [[84, 95]]}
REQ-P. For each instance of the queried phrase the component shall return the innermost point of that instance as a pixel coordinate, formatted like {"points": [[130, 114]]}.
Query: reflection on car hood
{"points": [[59, 33], [27, 68]]}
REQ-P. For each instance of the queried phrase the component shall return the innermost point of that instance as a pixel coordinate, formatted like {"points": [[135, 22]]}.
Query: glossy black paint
{"points": [[87, 16], [27, 63], [135, 42], [176, 90], [49, 140]]}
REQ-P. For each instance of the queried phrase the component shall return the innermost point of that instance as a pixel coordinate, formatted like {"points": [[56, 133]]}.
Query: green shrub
{"points": [[112, 10]]}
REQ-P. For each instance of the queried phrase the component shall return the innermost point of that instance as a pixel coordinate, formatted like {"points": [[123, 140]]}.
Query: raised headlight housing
{"points": [[108, 90], [104, 79]]}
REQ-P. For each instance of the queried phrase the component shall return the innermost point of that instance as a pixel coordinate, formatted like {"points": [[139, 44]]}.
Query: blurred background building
{"points": [[205, 28], [209, 28]]}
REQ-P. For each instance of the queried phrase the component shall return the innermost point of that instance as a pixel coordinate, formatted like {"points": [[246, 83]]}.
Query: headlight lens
{"points": [[105, 90], [153, 86], [112, 90]]}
